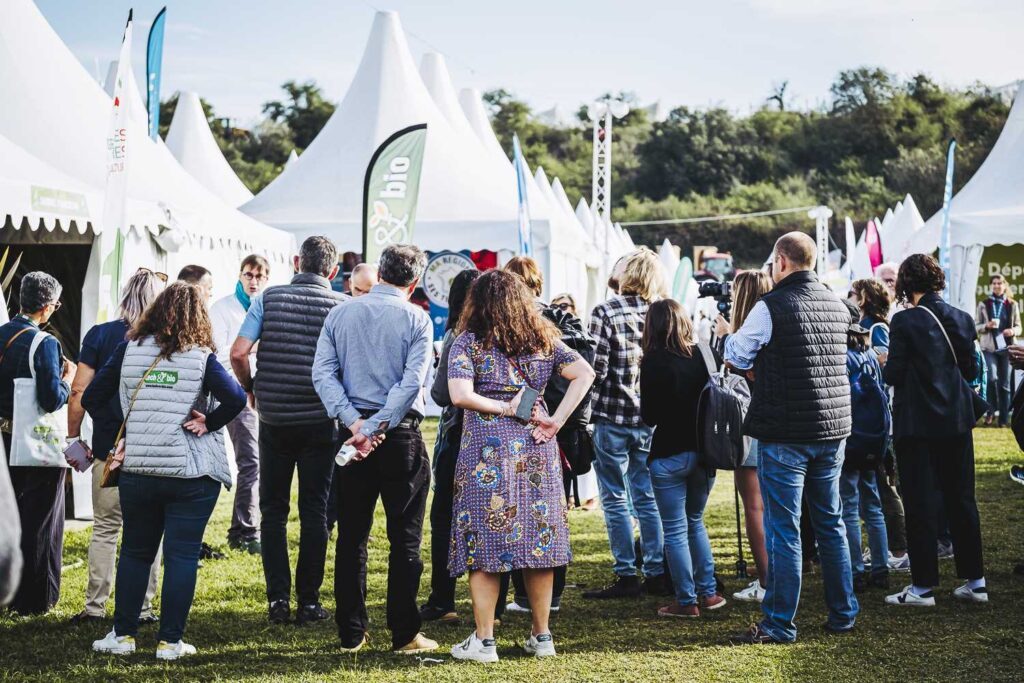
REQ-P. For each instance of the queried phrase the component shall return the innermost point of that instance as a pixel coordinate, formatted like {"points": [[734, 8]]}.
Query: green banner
{"points": [[53, 200], [391, 190], [1000, 259]]}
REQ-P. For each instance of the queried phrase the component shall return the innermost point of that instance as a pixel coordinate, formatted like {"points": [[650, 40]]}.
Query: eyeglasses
{"points": [[56, 305], [565, 306], [250, 276], [889, 280], [159, 276]]}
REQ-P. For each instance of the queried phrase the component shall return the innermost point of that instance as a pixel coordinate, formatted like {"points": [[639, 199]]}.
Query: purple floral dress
{"points": [[509, 508]]}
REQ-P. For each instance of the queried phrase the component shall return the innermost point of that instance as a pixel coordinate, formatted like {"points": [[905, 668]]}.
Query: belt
{"points": [[410, 421]]}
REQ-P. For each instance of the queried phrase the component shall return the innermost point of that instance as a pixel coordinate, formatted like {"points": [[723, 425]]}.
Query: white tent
{"points": [[900, 231], [192, 143], [988, 210], [57, 113], [669, 258], [293, 156], [464, 202]]}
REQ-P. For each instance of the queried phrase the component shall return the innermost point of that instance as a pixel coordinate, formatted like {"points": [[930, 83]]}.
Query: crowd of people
{"points": [[855, 410]]}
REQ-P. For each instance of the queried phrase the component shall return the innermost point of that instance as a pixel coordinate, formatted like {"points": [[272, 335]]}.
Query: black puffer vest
{"points": [[801, 389], [293, 316]]}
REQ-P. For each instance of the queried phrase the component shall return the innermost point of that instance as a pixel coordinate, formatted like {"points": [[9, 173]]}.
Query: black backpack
{"points": [[573, 438], [872, 420], [720, 411]]}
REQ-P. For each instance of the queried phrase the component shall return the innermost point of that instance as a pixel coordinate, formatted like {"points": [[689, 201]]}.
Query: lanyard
{"points": [[997, 313]]}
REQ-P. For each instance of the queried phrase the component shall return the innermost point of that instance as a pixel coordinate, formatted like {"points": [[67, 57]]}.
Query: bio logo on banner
{"points": [[391, 191], [162, 378]]}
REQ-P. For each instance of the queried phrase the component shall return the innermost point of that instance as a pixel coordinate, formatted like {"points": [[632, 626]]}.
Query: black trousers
{"points": [[398, 472], [446, 453], [934, 472], [39, 492], [309, 449]]}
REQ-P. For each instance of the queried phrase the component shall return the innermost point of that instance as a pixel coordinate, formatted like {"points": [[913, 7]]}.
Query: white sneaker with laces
{"points": [[515, 608], [866, 557], [167, 650], [899, 564], [907, 598], [474, 649], [754, 592], [965, 592], [114, 644], [541, 645]]}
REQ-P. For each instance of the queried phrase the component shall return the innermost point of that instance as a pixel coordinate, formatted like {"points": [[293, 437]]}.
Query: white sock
{"points": [[976, 583], [918, 591]]}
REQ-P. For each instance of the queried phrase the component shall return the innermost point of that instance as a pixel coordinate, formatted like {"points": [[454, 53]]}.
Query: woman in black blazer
{"points": [[931, 354]]}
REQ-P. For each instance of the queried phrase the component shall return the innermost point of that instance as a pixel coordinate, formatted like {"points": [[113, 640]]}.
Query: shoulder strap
{"points": [[131, 403], [36, 341], [515, 363], [942, 329], [709, 358], [11, 341]]}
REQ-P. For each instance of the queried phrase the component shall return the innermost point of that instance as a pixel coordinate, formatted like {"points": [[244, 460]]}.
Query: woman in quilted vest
{"points": [[175, 397]]}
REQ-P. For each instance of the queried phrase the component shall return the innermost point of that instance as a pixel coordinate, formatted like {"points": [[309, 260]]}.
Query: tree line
{"points": [[877, 138]]}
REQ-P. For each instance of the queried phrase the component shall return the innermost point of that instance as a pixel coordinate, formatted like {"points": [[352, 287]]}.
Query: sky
{"points": [[727, 53]]}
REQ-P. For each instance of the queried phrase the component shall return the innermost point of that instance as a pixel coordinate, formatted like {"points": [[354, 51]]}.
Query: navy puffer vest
{"points": [[801, 389], [293, 316]]}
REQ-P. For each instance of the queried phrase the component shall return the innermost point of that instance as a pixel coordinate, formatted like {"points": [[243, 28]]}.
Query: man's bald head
{"points": [[364, 277], [794, 252]]}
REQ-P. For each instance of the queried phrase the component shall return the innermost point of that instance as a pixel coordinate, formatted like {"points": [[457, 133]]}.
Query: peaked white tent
{"points": [[669, 260], [192, 143], [57, 113], [900, 231], [293, 156], [988, 210], [464, 201]]}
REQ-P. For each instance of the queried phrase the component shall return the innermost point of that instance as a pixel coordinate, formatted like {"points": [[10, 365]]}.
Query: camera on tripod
{"points": [[721, 292]]}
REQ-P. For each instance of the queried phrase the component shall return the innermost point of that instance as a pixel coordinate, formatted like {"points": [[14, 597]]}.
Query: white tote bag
{"points": [[37, 437]]}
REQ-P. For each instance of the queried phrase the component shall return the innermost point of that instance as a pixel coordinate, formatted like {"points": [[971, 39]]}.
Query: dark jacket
{"points": [[293, 316], [51, 391], [577, 339], [801, 390], [451, 416], [670, 387], [931, 397]]}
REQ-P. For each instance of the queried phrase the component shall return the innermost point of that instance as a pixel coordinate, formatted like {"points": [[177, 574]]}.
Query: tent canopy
{"points": [[192, 143], [990, 207], [464, 202]]}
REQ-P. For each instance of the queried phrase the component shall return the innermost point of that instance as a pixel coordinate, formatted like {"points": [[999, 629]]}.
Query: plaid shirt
{"points": [[618, 325]]}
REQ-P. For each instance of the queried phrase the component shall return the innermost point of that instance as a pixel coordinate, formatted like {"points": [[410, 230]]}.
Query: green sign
{"points": [[52, 200], [1000, 259], [162, 378], [391, 190]]}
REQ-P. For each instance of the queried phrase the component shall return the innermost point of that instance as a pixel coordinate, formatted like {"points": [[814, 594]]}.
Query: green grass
{"points": [[597, 641]]}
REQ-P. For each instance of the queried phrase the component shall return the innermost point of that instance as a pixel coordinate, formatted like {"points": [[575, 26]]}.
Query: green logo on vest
{"points": [[162, 378]]}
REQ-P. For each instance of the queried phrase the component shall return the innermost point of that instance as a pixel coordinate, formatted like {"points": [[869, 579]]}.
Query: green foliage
{"points": [[878, 138]]}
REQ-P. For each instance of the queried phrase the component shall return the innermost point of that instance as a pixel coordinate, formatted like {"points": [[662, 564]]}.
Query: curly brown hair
{"points": [[176, 320], [919, 274], [501, 313], [874, 298]]}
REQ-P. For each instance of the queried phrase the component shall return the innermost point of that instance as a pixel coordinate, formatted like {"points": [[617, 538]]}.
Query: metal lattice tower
{"points": [[601, 192]]}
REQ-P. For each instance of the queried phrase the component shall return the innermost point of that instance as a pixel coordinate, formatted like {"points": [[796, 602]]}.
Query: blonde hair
{"points": [[138, 293], [643, 276], [747, 288]]}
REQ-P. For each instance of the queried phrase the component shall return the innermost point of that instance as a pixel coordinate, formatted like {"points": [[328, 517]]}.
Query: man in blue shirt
{"points": [[371, 364], [793, 346]]}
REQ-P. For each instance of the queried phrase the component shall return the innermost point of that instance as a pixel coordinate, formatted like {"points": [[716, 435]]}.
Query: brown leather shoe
{"points": [[710, 602], [679, 611]]}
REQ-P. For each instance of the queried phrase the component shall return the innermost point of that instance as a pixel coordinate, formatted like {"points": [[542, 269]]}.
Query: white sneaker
{"points": [[114, 644], [754, 592], [167, 650], [542, 645], [907, 598], [964, 592], [899, 564], [866, 557], [515, 608], [474, 649]]}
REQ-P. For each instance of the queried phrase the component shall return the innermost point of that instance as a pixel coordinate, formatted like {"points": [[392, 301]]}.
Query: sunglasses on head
{"points": [[159, 276]]}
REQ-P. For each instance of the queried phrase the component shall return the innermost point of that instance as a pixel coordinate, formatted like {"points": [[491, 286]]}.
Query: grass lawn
{"points": [[597, 641]]}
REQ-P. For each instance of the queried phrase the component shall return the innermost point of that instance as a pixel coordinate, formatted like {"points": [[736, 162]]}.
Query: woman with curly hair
{"points": [[873, 301], [509, 509], [931, 353], [169, 383]]}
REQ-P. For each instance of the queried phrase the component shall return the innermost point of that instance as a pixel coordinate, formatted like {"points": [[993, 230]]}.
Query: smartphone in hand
{"points": [[78, 455]]}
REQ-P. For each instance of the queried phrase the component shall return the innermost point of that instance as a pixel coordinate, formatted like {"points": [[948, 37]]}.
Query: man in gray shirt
{"points": [[370, 366]]}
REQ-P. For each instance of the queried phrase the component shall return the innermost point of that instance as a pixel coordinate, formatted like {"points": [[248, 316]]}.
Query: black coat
{"points": [[931, 397]]}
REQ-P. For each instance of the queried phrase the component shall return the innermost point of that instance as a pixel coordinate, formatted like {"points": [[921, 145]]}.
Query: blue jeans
{"points": [[859, 491], [681, 487], [622, 460], [788, 472], [177, 510], [999, 383]]}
